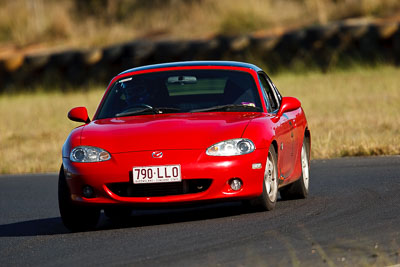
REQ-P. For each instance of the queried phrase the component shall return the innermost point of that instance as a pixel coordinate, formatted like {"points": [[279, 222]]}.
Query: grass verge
{"points": [[46, 23], [33, 127], [350, 113]]}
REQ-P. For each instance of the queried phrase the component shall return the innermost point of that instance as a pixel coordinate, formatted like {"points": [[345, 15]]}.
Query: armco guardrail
{"points": [[323, 47]]}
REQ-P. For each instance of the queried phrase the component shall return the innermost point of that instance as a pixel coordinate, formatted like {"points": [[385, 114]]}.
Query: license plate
{"points": [[157, 174]]}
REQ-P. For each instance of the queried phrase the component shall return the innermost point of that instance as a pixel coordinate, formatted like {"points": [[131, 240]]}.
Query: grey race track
{"points": [[352, 217]]}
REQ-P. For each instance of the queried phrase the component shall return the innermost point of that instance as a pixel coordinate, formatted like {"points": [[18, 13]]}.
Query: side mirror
{"points": [[288, 104], [79, 114]]}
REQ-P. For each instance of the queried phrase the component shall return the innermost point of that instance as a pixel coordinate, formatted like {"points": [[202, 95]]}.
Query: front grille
{"points": [[191, 186]]}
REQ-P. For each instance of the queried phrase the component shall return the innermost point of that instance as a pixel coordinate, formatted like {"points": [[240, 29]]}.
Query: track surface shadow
{"points": [[139, 218], [48, 226]]}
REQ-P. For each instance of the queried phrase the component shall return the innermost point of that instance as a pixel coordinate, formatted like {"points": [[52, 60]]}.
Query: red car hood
{"points": [[166, 131]]}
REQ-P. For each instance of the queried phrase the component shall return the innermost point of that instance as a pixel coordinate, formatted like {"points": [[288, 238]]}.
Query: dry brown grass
{"points": [[350, 113], [65, 23], [33, 127]]}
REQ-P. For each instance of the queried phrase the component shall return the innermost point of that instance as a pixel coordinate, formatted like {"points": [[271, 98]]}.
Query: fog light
{"points": [[87, 191], [235, 184]]}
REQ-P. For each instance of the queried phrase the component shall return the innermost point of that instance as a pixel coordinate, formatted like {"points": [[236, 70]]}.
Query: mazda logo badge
{"points": [[157, 154]]}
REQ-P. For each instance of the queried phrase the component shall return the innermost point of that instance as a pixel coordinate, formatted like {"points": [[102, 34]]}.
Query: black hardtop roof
{"points": [[195, 63]]}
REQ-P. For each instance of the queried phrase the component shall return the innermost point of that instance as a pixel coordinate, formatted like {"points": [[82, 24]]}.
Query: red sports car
{"points": [[181, 133]]}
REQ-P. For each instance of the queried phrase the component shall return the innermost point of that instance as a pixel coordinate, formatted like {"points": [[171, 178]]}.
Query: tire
{"points": [[75, 218], [299, 189], [118, 214], [269, 196]]}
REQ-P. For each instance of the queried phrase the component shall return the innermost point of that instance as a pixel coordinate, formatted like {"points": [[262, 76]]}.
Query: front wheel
{"points": [[270, 183], [75, 218], [118, 214]]}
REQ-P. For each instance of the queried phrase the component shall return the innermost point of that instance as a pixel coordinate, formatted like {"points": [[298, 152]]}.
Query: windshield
{"points": [[181, 91]]}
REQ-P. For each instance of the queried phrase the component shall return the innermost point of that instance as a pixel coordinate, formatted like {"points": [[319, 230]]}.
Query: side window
{"points": [[278, 95], [272, 100]]}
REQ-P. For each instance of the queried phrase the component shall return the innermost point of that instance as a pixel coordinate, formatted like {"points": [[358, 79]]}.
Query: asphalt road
{"points": [[352, 217]]}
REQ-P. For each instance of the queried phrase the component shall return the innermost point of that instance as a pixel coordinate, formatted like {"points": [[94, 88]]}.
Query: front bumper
{"points": [[204, 178]]}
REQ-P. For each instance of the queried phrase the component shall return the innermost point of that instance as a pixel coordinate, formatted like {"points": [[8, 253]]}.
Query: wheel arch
{"points": [[274, 143], [307, 140]]}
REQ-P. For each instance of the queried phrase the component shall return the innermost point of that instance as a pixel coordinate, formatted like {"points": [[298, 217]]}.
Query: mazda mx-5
{"points": [[184, 133]]}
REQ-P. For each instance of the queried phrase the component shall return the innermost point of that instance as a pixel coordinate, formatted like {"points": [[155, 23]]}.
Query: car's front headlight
{"points": [[89, 154], [233, 147]]}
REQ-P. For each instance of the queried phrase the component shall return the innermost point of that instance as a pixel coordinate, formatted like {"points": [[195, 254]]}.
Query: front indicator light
{"points": [[233, 147], [89, 154], [256, 166]]}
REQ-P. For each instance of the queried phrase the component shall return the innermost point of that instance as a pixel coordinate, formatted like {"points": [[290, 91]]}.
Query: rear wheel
{"points": [[299, 189], [75, 218], [270, 185]]}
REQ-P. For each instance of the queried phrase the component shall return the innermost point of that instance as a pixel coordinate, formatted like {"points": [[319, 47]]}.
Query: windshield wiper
{"points": [[158, 110], [230, 107], [167, 110], [136, 112]]}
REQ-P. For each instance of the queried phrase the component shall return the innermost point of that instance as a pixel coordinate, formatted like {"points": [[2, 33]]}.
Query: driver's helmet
{"points": [[135, 92]]}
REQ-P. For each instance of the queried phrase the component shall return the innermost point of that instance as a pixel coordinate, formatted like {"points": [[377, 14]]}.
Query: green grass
{"points": [[350, 113]]}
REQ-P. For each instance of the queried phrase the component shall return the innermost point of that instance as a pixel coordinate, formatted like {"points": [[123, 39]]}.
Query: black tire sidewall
{"points": [[74, 217]]}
